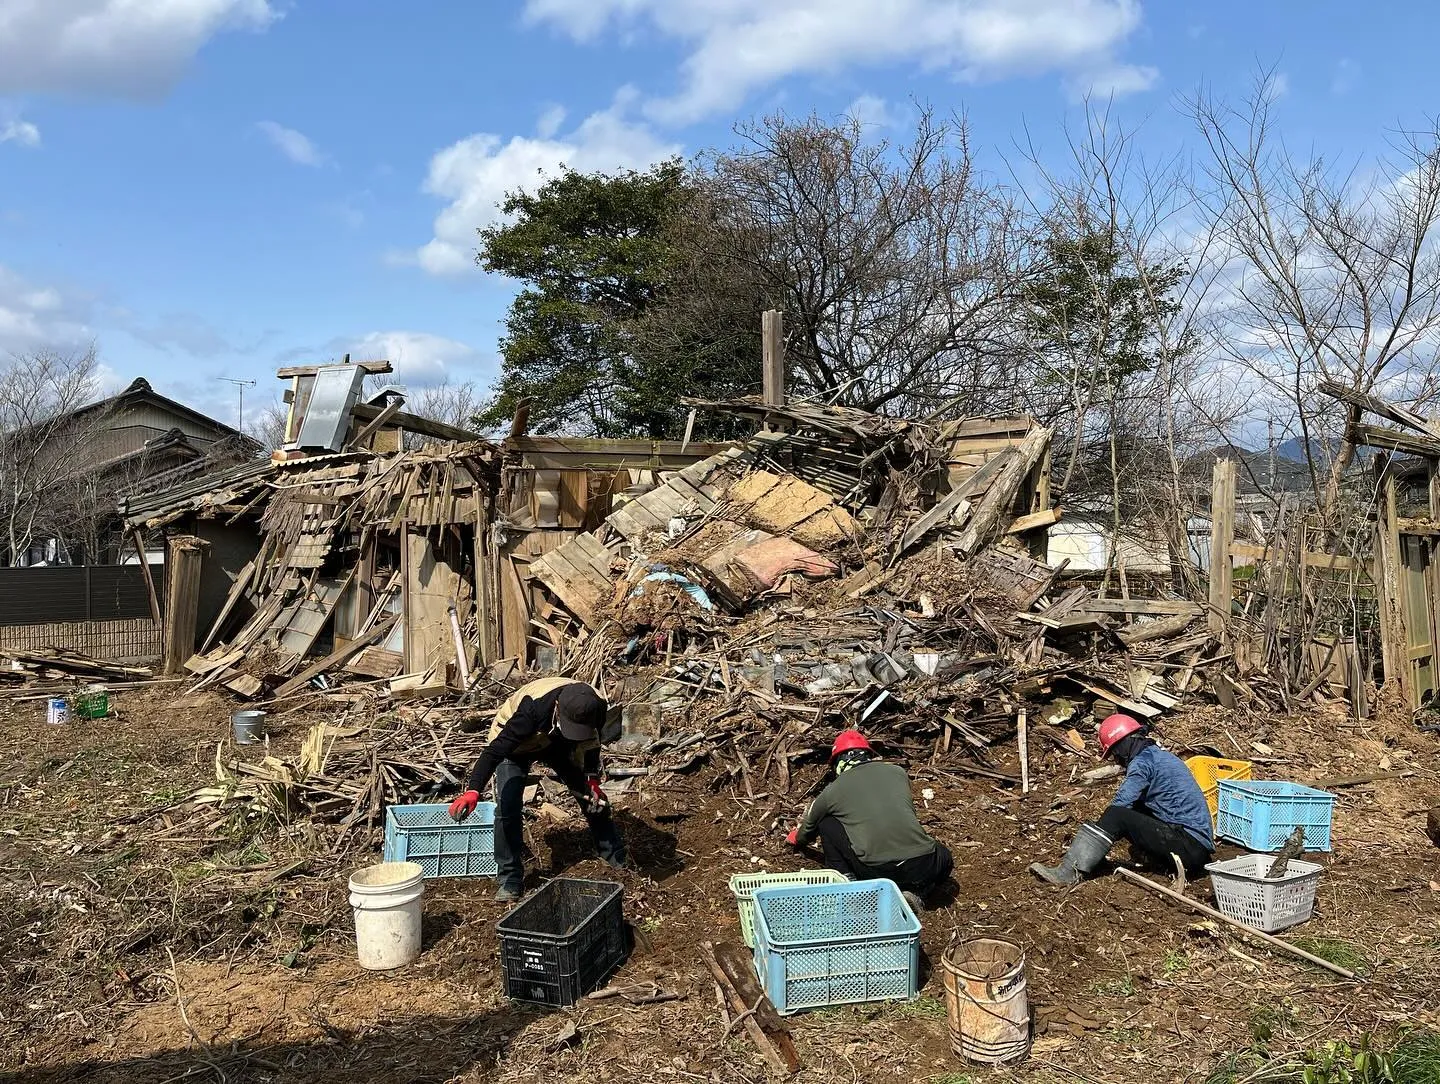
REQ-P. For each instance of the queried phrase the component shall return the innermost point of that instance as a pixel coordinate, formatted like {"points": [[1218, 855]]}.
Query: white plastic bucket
{"points": [[387, 903], [57, 712]]}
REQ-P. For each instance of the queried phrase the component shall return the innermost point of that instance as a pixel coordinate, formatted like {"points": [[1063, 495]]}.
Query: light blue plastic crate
{"points": [[1261, 814], [426, 835], [838, 944]]}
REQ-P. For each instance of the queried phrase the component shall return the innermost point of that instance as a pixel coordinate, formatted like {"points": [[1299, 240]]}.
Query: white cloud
{"points": [[1277, 86], [550, 120], [474, 174], [294, 145], [131, 48], [871, 112], [20, 131], [420, 358], [739, 46], [1347, 76], [1115, 81], [34, 316]]}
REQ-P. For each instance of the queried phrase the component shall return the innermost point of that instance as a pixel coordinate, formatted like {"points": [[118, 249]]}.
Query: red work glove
{"points": [[464, 805], [794, 837], [598, 802]]}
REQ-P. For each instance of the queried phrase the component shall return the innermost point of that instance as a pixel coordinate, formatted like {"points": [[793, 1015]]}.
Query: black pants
{"points": [[1155, 839], [510, 779], [921, 875]]}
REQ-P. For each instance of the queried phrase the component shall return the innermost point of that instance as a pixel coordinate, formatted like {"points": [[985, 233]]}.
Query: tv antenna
{"points": [[240, 386]]}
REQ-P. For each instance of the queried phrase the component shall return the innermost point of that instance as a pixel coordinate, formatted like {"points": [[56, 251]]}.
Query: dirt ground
{"points": [[142, 939]]}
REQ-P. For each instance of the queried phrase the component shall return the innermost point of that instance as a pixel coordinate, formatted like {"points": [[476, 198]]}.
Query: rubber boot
{"points": [[1086, 852]]}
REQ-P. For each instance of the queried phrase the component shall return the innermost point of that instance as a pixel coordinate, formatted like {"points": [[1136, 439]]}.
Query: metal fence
{"points": [[43, 596]]}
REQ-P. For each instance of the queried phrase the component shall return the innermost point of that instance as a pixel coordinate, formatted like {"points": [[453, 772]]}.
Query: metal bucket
{"points": [[249, 726], [57, 711], [986, 1000]]}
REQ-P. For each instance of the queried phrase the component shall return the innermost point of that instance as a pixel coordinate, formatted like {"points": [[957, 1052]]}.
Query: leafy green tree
{"points": [[1092, 315], [596, 252]]}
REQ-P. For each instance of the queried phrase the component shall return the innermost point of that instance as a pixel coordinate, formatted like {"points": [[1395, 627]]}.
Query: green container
{"points": [[92, 702]]}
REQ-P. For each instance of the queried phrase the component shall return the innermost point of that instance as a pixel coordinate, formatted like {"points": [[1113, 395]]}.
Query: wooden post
{"points": [[1022, 736], [139, 540], [1393, 639], [772, 339], [182, 599], [1222, 536]]}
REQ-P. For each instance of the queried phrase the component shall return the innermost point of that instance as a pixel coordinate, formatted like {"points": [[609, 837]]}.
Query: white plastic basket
{"points": [[1243, 893]]}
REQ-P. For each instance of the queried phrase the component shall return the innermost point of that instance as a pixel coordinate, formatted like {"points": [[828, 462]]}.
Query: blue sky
{"points": [[220, 187]]}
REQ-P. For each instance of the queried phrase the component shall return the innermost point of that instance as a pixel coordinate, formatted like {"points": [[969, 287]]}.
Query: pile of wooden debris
{"points": [[835, 570]]}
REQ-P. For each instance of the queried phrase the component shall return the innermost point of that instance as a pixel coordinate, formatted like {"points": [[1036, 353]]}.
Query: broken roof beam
{"points": [[1375, 405], [426, 427], [371, 367], [1395, 440]]}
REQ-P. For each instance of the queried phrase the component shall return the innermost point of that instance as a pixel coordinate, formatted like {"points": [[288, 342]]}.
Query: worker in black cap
{"points": [[556, 721]]}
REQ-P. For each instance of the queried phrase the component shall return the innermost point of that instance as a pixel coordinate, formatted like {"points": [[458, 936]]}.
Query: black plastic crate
{"points": [[563, 942]]}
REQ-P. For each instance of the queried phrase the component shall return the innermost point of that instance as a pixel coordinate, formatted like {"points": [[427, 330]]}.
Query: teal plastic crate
{"points": [[745, 885], [426, 835], [839, 944], [1261, 814]]}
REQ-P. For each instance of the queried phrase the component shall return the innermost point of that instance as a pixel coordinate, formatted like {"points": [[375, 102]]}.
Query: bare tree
{"points": [[43, 447], [893, 264], [1334, 273], [453, 404], [267, 426], [1116, 310]]}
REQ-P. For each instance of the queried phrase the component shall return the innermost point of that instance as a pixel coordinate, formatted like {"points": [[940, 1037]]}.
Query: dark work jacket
{"points": [[525, 732]]}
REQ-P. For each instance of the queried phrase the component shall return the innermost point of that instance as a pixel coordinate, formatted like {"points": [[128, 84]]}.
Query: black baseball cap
{"points": [[579, 712]]}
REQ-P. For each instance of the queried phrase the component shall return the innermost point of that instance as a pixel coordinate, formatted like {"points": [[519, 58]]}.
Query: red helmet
{"points": [[1114, 728], [848, 740]]}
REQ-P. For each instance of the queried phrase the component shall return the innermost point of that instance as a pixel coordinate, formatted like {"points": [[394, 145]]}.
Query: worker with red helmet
{"points": [[865, 820], [1159, 808]]}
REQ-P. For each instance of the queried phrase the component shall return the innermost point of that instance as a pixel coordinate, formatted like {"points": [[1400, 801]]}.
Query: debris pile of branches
{"points": [[836, 570]]}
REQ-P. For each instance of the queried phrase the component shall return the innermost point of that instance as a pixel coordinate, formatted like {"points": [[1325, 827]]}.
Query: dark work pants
{"points": [[1155, 839], [921, 875], [510, 779]]}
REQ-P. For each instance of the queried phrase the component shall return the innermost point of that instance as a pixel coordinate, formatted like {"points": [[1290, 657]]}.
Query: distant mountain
{"points": [[1294, 450]]}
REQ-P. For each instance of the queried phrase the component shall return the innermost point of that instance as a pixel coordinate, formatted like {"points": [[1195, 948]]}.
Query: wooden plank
{"points": [[1222, 537], [336, 658], [1394, 640], [772, 357], [1000, 495], [376, 662], [431, 585], [1141, 606], [237, 590], [1160, 628], [144, 559], [1035, 520], [573, 493], [371, 367], [1396, 440], [1375, 405], [310, 616], [1412, 525], [182, 600], [1312, 558]]}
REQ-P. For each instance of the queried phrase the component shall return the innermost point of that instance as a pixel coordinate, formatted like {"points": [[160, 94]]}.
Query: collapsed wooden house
{"points": [[357, 552]]}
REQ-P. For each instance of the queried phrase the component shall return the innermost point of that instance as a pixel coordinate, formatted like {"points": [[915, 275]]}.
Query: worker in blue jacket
{"points": [[1159, 808]]}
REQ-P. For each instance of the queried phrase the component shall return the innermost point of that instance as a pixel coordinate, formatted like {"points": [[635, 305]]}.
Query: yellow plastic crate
{"points": [[745, 885], [1208, 771]]}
